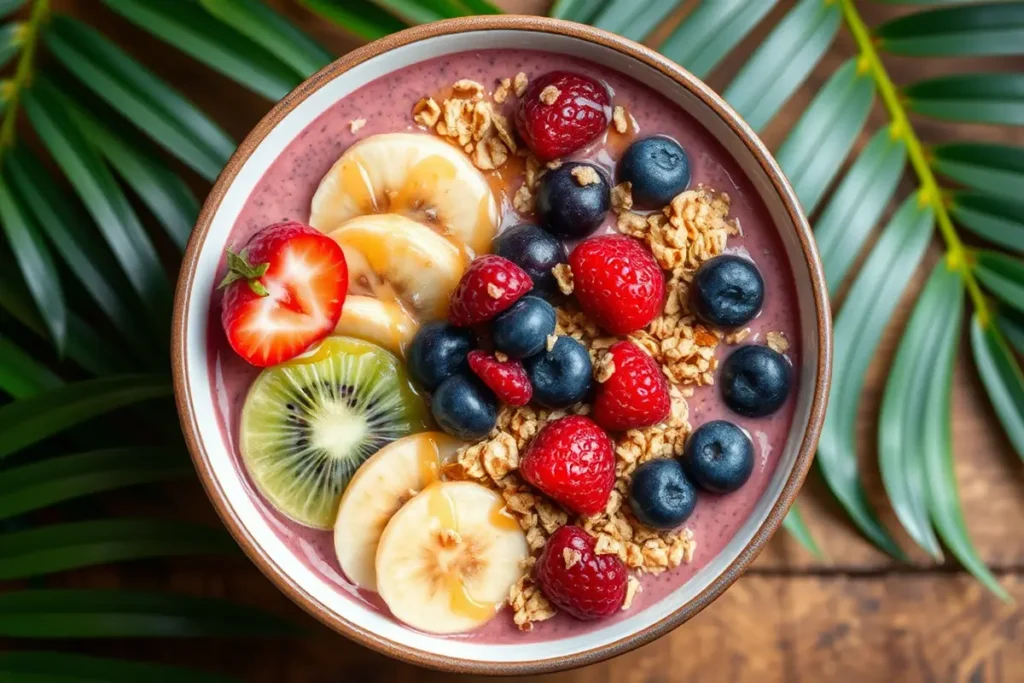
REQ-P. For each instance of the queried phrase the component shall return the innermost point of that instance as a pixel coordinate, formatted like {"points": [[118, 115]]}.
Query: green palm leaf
{"points": [[157, 109], [944, 499], [712, 31], [60, 547], [104, 200], [979, 98], [8, 7], [631, 19], [783, 61], [21, 375], [30, 420], [1002, 379], [901, 454], [1002, 275], [270, 31], [56, 613], [1011, 324], [795, 524], [59, 667], [982, 29], [36, 265], [858, 204], [10, 42], [858, 328], [415, 12], [996, 170], [998, 220], [360, 17], [575, 10], [55, 480], [186, 26], [814, 150]]}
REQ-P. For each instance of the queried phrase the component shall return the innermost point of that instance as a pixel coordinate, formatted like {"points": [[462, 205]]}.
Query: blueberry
{"points": [[727, 291], [561, 376], [755, 380], [523, 330], [536, 251], [437, 352], [660, 494], [719, 457], [464, 407], [566, 206], [658, 168]]}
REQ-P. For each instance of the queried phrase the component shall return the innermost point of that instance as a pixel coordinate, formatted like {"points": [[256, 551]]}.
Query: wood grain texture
{"points": [[853, 616]]}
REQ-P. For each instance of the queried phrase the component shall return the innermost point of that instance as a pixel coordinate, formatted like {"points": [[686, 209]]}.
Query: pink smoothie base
{"points": [[285, 191]]}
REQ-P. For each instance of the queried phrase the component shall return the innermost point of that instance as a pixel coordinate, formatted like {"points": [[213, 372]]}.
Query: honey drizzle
{"points": [[441, 507], [429, 458]]}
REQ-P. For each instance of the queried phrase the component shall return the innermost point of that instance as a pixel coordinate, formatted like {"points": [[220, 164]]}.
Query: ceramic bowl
{"points": [[225, 483]]}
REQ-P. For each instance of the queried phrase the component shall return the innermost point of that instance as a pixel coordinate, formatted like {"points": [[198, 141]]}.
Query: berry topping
{"points": [[635, 395], [755, 380], [507, 379], [437, 352], [489, 286], [573, 200], [283, 293], [537, 252], [719, 457], [658, 169], [727, 291], [660, 495], [578, 580], [523, 330], [464, 407], [560, 375], [571, 461], [561, 112], [617, 282]]}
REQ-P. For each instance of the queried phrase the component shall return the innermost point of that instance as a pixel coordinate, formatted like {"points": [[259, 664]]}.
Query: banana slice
{"points": [[389, 478], [417, 176], [391, 256], [384, 323], [448, 558]]}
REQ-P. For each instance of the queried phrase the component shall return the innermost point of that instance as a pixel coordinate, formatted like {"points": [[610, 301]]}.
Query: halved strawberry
{"points": [[283, 293]]}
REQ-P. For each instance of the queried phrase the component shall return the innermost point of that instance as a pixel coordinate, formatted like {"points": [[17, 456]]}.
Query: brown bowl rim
{"points": [[821, 384]]}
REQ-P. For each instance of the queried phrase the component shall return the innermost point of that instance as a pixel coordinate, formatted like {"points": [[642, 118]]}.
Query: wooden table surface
{"points": [[854, 616]]}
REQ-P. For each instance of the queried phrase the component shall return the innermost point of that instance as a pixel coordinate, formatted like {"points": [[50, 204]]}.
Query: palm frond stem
{"points": [[23, 71]]}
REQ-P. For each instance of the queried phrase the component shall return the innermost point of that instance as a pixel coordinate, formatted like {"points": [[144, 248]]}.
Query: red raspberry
{"points": [[636, 395], [576, 579], [507, 379], [571, 461], [489, 286], [617, 282], [578, 115]]}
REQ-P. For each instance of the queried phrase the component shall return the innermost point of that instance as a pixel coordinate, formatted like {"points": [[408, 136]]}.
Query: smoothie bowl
{"points": [[501, 345]]}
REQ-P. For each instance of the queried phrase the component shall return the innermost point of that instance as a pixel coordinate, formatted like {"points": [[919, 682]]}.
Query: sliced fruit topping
{"points": [[658, 169], [755, 380], [283, 293], [719, 457], [571, 460], [660, 494], [489, 286], [537, 252], [507, 379], [573, 200], [308, 424], [390, 256], [417, 176], [464, 407], [383, 484], [448, 557], [727, 291], [576, 579], [561, 375], [561, 112], [384, 323], [617, 282], [438, 351], [523, 330], [635, 395]]}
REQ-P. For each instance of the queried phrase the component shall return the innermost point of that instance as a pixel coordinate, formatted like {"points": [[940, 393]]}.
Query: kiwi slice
{"points": [[308, 424]]}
